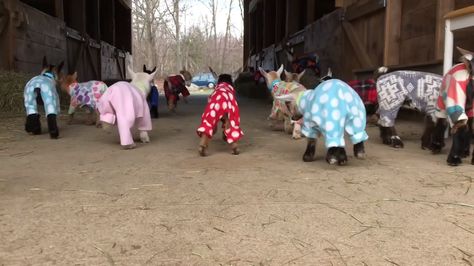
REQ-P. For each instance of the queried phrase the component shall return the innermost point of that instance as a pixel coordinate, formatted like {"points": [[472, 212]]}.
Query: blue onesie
{"points": [[329, 109], [47, 88]]}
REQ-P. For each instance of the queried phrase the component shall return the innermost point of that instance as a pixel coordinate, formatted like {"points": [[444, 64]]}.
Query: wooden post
{"points": [[59, 9], [443, 7], [310, 11], [393, 17]]}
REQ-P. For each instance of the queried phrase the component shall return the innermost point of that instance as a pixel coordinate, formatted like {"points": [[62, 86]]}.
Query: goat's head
{"points": [[148, 71], [328, 76], [52, 71], [141, 80], [272, 76], [468, 59], [67, 80], [294, 77], [227, 78], [187, 76]]}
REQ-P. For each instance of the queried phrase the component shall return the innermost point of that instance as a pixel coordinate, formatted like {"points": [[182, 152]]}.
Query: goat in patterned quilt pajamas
{"points": [[279, 112], [455, 106], [83, 94], [329, 109], [421, 89], [42, 89]]}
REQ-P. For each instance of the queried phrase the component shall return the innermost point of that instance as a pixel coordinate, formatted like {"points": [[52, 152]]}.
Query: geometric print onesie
{"points": [[46, 84], [394, 88], [329, 109]]}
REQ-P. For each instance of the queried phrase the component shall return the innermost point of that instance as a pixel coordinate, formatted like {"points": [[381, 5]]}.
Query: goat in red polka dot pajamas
{"points": [[222, 105]]}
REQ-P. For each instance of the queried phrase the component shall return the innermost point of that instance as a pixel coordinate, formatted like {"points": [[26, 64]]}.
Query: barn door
{"points": [[83, 55]]}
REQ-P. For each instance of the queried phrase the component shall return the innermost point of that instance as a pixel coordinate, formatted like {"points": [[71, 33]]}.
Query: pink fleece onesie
{"points": [[123, 104]]}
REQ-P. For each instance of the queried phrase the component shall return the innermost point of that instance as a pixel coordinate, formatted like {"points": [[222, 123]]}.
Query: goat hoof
{"points": [[235, 151], [331, 160], [361, 156], [454, 160], [202, 151], [308, 158], [341, 156], [396, 142], [465, 154], [129, 147]]}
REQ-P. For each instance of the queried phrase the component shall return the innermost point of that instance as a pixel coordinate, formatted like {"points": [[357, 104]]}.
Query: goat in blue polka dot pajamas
{"points": [[329, 109]]}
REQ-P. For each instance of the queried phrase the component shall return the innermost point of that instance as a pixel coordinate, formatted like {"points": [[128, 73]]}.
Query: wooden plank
{"points": [[59, 9], [357, 11], [443, 7], [416, 50], [393, 17], [357, 45], [460, 12]]}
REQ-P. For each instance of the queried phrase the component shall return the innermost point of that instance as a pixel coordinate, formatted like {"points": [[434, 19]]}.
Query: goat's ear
{"points": [[464, 51], [329, 74], [152, 76], [213, 72], [144, 68], [45, 62], [287, 74], [280, 71], [264, 74], [130, 71], [300, 75], [60, 67], [285, 97], [154, 69], [74, 75]]}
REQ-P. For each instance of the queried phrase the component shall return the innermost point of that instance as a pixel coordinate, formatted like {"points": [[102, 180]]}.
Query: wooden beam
{"points": [[443, 8], [357, 11], [359, 49], [310, 11], [393, 19]]}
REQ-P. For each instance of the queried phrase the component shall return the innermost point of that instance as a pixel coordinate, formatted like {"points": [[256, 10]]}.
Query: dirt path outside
{"points": [[81, 200]]}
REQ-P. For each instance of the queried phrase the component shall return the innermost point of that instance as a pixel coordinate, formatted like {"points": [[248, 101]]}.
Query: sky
{"points": [[197, 10]]}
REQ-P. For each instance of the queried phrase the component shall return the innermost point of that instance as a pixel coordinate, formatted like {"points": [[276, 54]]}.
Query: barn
{"points": [[353, 37], [92, 37]]}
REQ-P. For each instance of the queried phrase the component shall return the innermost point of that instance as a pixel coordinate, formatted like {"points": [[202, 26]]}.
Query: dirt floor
{"points": [[81, 200]]}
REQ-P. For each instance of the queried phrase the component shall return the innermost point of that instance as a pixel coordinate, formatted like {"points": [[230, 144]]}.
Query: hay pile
{"points": [[11, 91]]}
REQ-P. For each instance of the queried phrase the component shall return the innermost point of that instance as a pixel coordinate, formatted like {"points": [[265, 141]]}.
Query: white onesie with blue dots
{"points": [[329, 109]]}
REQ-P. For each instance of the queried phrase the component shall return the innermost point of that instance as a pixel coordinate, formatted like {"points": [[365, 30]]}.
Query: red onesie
{"points": [[222, 102]]}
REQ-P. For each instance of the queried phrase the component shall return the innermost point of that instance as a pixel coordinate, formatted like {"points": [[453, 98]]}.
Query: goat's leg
{"points": [[296, 130], [359, 150], [467, 137], [53, 126], [385, 134], [33, 124], [203, 144], [226, 125], [456, 152], [437, 140], [396, 140], [426, 138], [235, 148], [310, 151], [144, 137], [90, 117], [98, 124], [288, 126], [341, 156]]}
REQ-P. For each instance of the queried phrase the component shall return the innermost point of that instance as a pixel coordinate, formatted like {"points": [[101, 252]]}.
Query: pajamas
{"points": [[455, 97], [85, 94], [278, 88], [174, 86], [125, 105], [366, 89], [329, 109], [221, 102], [46, 84], [153, 97], [393, 89]]}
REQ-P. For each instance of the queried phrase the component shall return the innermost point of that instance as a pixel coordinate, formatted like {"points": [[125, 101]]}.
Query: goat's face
{"points": [[293, 77], [67, 80], [271, 76], [187, 76]]}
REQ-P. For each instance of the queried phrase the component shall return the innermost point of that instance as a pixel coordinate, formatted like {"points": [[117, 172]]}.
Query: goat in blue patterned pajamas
{"points": [[41, 90], [329, 109]]}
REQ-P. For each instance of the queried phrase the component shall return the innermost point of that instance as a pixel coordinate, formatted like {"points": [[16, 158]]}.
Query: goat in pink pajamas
{"points": [[125, 104]]}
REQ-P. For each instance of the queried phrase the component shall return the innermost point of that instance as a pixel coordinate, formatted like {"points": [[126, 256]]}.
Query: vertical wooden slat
{"points": [[393, 17], [443, 7], [310, 11], [59, 9]]}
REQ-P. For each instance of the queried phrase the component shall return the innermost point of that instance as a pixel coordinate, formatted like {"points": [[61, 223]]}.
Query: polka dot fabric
{"points": [[330, 109], [49, 95], [221, 102]]}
